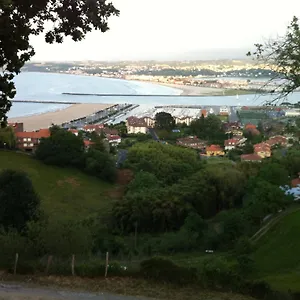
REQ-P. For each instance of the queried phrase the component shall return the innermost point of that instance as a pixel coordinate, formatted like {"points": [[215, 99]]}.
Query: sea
{"points": [[51, 86]]}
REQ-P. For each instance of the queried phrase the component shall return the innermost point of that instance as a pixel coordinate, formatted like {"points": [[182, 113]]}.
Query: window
{"points": [[25, 139], [25, 144], [29, 139], [31, 144]]}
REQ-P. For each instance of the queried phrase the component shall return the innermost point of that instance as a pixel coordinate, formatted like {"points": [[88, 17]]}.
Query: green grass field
{"points": [[65, 193], [277, 257]]}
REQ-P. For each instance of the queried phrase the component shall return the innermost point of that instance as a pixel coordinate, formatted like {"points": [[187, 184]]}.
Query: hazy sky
{"points": [[178, 29]]}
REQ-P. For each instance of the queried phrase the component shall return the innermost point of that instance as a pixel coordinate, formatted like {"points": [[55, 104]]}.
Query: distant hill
{"points": [[65, 193], [277, 256]]}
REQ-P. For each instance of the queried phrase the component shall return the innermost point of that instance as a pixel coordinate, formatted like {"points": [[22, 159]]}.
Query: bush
{"points": [[165, 270], [243, 246]]}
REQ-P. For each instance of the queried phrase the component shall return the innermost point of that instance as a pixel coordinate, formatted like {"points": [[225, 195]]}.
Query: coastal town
{"points": [[240, 126]]}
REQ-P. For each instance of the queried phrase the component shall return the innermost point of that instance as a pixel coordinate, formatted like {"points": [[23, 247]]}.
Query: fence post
{"points": [[16, 263], [73, 265], [50, 257], [106, 264]]}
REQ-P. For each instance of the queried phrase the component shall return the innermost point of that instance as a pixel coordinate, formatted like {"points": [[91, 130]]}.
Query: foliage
{"points": [[7, 138], [19, 202], [282, 55], [66, 18], [143, 181], [100, 164], [62, 148], [168, 163], [165, 270], [164, 121], [209, 128]]}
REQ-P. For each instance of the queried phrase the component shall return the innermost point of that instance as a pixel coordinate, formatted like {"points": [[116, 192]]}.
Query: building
{"points": [[292, 113], [231, 144], [88, 144], [277, 140], [250, 126], [114, 140], [74, 131], [251, 158], [109, 131], [191, 142], [93, 127], [149, 121], [17, 127], [136, 125], [214, 150], [263, 150], [28, 141], [296, 182], [203, 113], [186, 119], [224, 111]]}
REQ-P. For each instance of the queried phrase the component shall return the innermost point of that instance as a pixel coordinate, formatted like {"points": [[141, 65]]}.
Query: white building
{"points": [[186, 119], [292, 113], [136, 125], [114, 140]]}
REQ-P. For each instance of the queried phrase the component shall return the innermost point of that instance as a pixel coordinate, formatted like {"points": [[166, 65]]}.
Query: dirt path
{"points": [[19, 292]]}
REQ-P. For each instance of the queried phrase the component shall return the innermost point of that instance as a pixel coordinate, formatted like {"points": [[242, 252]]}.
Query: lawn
{"points": [[65, 193], [277, 257]]}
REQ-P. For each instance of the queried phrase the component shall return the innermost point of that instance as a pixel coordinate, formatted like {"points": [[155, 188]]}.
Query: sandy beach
{"points": [[188, 90], [58, 117]]}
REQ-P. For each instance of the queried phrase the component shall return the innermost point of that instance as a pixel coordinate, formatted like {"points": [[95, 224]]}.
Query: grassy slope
{"points": [[65, 193], [277, 257]]}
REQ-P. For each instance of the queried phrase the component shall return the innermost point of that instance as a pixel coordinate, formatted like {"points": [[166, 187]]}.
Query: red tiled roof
{"points": [[42, 133], [295, 182], [250, 126], [73, 130], [251, 157], [214, 148], [88, 143], [114, 137]]}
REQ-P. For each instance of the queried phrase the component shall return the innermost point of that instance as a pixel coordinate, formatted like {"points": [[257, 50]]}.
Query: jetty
{"points": [[45, 102], [130, 95]]}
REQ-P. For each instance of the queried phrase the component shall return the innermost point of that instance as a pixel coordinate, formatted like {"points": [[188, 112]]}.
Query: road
{"points": [[19, 292]]}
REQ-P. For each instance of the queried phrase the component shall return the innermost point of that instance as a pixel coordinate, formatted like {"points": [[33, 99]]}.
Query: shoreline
{"points": [[57, 117]]}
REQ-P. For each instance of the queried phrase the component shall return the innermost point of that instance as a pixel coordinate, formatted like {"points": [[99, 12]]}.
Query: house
{"points": [[181, 120], [252, 131], [229, 127], [251, 157], [109, 131], [277, 140], [114, 140], [237, 133], [224, 111], [149, 121], [250, 126], [263, 150], [74, 131], [231, 144], [191, 142], [136, 125], [203, 113], [17, 127], [28, 141], [214, 150], [296, 182], [93, 127], [88, 144]]}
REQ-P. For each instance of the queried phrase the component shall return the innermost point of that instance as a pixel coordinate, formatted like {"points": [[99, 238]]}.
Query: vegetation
{"points": [[283, 57], [65, 193], [30, 19]]}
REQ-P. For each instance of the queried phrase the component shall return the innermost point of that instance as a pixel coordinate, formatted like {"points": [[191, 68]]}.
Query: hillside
{"points": [[277, 257], [65, 193]]}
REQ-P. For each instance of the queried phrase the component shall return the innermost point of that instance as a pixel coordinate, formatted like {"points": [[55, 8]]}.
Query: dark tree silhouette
{"points": [[164, 120], [19, 19], [19, 203]]}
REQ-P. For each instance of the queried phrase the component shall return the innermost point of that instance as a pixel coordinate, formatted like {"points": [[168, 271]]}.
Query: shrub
{"points": [[165, 270]]}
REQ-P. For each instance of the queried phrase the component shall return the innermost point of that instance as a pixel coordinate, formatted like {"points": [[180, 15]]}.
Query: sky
{"points": [[177, 30]]}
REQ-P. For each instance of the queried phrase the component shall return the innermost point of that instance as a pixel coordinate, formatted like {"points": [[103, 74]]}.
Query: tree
{"points": [[62, 148], [19, 203], [20, 19], [164, 120], [282, 56], [7, 137], [100, 164]]}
